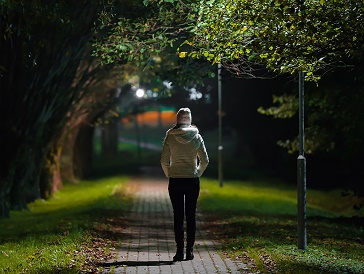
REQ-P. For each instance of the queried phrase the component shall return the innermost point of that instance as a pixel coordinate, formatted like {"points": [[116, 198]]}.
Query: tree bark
{"points": [[50, 178], [83, 152], [67, 158], [109, 140], [4, 206], [56, 169]]}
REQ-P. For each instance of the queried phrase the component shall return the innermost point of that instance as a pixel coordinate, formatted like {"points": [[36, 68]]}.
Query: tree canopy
{"points": [[253, 39], [285, 36], [45, 70]]}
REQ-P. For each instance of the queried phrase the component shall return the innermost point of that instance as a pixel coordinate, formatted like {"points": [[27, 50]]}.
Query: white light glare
{"points": [[139, 93]]}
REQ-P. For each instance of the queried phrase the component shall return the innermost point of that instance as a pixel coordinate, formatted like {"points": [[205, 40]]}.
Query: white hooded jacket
{"points": [[184, 153]]}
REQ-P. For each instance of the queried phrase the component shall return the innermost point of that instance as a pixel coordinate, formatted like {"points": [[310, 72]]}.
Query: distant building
{"points": [[163, 118]]}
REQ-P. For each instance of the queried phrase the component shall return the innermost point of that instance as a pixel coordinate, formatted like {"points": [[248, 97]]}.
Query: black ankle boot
{"points": [[179, 255], [189, 253]]}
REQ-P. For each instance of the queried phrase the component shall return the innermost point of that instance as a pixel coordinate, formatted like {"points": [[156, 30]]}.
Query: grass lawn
{"points": [[64, 233], [256, 222]]}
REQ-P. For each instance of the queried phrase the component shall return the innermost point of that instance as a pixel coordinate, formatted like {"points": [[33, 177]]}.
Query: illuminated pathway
{"points": [[148, 241]]}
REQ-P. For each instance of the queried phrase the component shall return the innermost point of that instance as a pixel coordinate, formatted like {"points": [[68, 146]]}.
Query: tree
{"points": [[315, 37], [248, 37], [76, 148], [142, 30], [333, 126], [255, 39], [44, 46], [287, 36]]}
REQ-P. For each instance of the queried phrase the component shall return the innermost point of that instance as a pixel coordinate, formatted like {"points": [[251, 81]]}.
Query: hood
{"points": [[184, 134]]}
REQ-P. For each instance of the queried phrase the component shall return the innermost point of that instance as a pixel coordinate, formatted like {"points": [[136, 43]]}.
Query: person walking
{"points": [[184, 159]]}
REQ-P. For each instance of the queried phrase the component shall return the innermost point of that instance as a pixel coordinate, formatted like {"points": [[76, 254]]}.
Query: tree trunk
{"points": [[56, 169], [18, 194], [66, 164], [50, 178], [9, 146], [109, 140], [45, 182], [83, 152], [4, 206]]}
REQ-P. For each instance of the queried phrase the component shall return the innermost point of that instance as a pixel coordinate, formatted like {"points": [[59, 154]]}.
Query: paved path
{"points": [[148, 242]]}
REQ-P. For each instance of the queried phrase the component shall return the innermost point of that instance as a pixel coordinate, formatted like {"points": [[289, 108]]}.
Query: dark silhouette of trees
{"points": [[53, 85], [46, 70]]}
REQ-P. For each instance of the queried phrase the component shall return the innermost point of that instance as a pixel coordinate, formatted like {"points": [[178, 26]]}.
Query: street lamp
{"points": [[220, 147], [140, 92], [301, 171]]}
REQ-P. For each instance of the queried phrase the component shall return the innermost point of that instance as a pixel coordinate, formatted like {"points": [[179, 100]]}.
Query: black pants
{"points": [[184, 193]]}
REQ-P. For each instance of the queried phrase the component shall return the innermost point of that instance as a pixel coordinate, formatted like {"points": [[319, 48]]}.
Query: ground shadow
{"points": [[137, 263]]}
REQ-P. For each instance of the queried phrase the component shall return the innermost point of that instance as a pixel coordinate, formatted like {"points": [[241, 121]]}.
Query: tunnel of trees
{"points": [[64, 65]]}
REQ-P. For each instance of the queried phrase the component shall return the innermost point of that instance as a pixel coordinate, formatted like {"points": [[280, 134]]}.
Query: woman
{"points": [[184, 159]]}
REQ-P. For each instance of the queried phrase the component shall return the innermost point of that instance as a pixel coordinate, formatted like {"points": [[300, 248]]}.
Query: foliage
{"points": [[146, 35], [333, 122], [285, 36], [248, 37], [141, 31], [256, 221], [333, 114], [44, 48], [62, 234]]}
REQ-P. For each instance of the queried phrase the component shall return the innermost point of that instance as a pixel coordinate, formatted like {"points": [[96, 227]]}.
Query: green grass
{"points": [[256, 221], [55, 235]]}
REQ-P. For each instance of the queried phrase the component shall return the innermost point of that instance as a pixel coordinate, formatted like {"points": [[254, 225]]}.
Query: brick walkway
{"points": [[148, 242]]}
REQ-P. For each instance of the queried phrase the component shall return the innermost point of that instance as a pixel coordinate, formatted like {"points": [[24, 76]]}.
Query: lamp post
{"points": [[139, 93], [301, 170], [220, 147]]}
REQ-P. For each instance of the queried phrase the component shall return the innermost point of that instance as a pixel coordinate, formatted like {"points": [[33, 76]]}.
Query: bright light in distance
{"points": [[139, 93], [167, 84], [195, 94]]}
